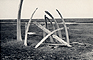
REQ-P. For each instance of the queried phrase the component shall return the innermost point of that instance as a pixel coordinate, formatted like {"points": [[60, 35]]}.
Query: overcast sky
{"points": [[68, 8]]}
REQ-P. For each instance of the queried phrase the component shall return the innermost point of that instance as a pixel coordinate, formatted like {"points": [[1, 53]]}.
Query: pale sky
{"points": [[68, 8]]}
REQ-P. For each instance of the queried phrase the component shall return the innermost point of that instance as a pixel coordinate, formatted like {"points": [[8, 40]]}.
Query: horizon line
{"points": [[43, 18]]}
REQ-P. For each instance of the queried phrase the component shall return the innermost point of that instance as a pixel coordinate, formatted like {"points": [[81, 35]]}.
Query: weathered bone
{"points": [[19, 38], [47, 37], [47, 31], [51, 39], [25, 41], [67, 36], [52, 25], [59, 32]]}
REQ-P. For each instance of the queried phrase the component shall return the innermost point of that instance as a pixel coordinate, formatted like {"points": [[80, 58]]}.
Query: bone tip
{"points": [[56, 10], [69, 46], [36, 8], [35, 46]]}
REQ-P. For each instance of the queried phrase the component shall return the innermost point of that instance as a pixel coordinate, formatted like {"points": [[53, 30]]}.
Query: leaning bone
{"points": [[59, 32], [67, 36], [47, 31], [27, 28]]}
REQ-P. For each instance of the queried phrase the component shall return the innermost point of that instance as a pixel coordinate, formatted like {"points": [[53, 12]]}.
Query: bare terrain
{"points": [[11, 49]]}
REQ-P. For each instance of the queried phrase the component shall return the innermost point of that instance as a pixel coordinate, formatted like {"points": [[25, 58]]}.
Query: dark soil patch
{"points": [[16, 50]]}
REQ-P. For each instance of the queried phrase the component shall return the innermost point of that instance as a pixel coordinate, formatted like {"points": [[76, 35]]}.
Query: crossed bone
{"points": [[49, 33]]}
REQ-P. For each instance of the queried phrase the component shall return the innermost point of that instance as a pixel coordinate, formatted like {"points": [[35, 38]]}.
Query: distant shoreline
{"points": [[68, 20], [55, 18]]}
